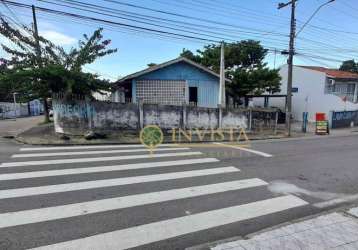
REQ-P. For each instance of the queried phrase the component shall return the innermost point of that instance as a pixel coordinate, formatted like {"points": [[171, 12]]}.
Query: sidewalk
{"points": [[45, 135], [336, 230], [13, 127]]}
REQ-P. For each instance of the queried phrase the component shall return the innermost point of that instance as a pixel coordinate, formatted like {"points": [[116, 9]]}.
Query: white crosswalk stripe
{"points": [[21, 192], [53, 213], [73, 171], [90, 147], [144, 234], [214, 177], [95, 152], [94, 159]]}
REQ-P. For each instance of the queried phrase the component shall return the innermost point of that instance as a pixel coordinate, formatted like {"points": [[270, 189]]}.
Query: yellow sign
{"points": [[151, 136]]}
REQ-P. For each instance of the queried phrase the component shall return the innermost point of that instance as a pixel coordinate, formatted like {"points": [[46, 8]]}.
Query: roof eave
{"points": [[160, 66]]}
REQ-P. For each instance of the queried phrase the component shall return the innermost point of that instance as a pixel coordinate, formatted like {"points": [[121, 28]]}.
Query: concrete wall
{"points": [[230, 118], [343, 119], [164, 116], [203, 118], [79, 116], [311, 96], [10, 110], [208, 85]]}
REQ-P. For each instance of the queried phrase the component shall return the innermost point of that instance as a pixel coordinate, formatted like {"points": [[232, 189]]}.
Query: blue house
{"points": [[174, 82]]}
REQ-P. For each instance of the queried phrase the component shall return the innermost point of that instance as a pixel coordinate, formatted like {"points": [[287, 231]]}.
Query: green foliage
{"points": [[350, 66], [190, 55], [255, 82], [23, 53], [42, 82], [243, 65], [38, 72], [56, 70], [90, 49]]}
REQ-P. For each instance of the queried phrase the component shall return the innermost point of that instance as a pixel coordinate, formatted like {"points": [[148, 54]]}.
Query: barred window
{"points": [[170, 92]]}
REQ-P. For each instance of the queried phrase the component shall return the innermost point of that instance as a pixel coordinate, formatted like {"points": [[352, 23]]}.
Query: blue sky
{"points": [[330, 37]]}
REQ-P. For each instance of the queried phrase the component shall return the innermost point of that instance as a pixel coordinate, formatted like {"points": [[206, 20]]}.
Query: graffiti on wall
{"points": [[81, 110], [344, 119]]}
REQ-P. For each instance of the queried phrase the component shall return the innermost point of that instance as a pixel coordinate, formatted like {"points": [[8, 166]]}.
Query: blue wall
{"points": [[208, 85]]}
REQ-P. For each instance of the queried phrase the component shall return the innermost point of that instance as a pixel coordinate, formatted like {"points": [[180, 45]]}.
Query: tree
{"points": [[190, 55], [55, 70], [151, 64], [349, 65], [244, 65]]}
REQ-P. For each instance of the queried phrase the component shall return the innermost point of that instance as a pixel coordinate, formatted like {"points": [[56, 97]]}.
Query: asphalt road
{"points": [[116, 197]]}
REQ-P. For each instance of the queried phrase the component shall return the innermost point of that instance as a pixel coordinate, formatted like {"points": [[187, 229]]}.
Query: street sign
{"points": [[322, 127]]}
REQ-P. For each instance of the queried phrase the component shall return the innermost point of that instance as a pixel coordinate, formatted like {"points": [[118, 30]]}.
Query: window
{"points": [[193, 95], [170, 92]]}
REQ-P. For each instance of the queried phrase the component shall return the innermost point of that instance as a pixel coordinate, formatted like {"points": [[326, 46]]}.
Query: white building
{"points": [[318, 90]]}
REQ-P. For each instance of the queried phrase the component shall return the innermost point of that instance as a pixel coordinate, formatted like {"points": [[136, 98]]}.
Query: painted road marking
{"points": [[77, 209], [245, 149], [95, 152], [162, 230], [73, 171], [94, 159], [29, 191], [91, 147]]}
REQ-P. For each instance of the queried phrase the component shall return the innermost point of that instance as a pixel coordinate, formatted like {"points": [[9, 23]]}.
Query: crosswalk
{"points": [[121, 196]]}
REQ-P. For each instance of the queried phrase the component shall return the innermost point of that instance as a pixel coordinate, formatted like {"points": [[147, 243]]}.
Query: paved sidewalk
{"points": [[13, 127], [337, 230]]}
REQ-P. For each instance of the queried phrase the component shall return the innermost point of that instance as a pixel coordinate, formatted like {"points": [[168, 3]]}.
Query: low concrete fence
{"points": [[343, 119], [77, 117], [11, 110]]}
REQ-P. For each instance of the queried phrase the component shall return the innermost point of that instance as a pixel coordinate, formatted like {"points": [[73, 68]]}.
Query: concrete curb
{"points": [[341, 210], [268, 139]]}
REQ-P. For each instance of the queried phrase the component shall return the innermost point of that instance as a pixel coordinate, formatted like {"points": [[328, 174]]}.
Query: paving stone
{"points": [[270, 234], [330, 231], [314, 240], [354, 211], [234, 245], [350, 246], [315, 222]]}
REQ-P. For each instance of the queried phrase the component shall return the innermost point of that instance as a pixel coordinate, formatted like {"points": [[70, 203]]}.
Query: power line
{"points": [[108, 21], [87, 18], [149, 17], [138, 21], [135, 19], [305, 58], [61, 19], [181, 15], [217, 9], [311, 17]]}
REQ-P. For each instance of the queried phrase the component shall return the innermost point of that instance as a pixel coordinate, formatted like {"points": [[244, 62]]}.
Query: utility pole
{"points": [[222, 94], [291, 53], [39, 61], [36, 36], [14, 96]]}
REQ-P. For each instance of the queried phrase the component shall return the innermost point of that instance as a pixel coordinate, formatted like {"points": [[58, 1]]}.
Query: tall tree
{"points": [[56, 70], [349, 65], [151, 64], [244, 65]]}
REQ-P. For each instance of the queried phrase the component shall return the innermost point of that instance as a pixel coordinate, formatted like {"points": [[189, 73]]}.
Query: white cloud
{"points": [[58, 38]]}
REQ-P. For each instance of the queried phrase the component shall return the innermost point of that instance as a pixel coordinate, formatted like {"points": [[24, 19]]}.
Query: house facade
{"points": [[319, 90], [174, 82]]}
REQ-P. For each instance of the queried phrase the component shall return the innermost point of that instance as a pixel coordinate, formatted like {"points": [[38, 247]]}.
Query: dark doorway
{"points": [[193, 95]]}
